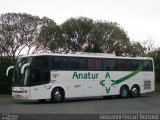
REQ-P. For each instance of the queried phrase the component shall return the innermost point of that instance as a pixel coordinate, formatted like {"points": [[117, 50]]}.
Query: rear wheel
{"points": [[57, 95], [135, 92], [124, 92]]}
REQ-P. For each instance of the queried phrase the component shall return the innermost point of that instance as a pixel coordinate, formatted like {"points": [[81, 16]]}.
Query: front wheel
{"points": [[124, 92], [57, 95]]}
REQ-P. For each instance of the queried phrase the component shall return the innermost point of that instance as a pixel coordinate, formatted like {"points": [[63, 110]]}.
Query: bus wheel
{"points": [[135, 92], [57, 95], [124, 91]]}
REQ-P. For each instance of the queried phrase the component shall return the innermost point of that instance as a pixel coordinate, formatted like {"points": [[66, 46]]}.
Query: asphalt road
{"points": [[148, 103]]}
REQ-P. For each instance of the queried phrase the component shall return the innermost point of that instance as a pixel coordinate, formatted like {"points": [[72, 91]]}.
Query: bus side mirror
{"points": [[24, 66], [8, 69]]}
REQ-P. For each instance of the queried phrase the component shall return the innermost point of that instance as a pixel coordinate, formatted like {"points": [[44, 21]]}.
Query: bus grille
{"points": [[147, 85]]}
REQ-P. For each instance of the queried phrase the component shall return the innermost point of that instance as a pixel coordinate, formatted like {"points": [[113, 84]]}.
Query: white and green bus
{"points": [[56, 77]]}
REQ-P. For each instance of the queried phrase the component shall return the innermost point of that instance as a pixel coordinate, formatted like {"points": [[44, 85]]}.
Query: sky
{"points": [[139, 18]]}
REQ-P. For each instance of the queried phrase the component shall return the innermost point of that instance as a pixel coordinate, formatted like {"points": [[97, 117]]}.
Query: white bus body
{"points": [[60, 76]]}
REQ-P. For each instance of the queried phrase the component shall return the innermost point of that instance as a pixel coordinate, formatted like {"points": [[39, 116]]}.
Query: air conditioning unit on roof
{"points": [[97, 54]]}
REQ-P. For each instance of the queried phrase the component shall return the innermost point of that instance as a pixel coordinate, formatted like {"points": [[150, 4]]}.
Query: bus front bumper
{"points": [[21, 93]]}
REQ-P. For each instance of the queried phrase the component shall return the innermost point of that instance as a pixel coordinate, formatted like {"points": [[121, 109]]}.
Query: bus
{"points": [[55, 77]]}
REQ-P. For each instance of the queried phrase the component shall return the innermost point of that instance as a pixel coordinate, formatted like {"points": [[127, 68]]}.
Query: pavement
{"points": [[80, 108]]}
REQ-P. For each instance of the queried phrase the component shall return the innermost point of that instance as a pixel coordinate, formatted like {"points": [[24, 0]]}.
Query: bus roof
{"points": [[87, 55]]}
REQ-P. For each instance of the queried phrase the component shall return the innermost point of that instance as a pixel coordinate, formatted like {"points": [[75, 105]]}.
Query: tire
{"points": [[57, 95], [124, 92], [135, 92]]}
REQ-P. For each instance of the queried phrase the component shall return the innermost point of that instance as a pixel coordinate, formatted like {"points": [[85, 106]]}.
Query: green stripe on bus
{"points": [[115, 82]]}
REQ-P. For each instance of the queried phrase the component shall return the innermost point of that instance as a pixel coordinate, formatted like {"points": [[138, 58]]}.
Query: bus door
{"points": [[40, 77]]}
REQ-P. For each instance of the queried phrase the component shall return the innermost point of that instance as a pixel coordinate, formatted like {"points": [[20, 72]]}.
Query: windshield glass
{"points": [[18, 78]]}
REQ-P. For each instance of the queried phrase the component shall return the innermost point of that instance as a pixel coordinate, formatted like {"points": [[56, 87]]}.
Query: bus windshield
{"points": [[18, 78]]}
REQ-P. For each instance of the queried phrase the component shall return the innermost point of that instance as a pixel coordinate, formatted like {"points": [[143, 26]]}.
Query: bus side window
{"points": [[135, 64], [122, 65], [41, 62], [77, 63], [94, 64], [110, 64], [59, 63], [148, 66]]}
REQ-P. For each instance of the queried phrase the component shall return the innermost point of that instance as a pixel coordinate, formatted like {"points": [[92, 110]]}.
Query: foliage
{"points": [[156, 56], [136, 49], [76, 33], [17, 31], [50, 37], [5, 82], [24, 31], [157, 89]]}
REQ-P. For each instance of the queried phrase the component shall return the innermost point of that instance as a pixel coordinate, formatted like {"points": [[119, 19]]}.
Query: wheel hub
{"points": [[58, 96]]}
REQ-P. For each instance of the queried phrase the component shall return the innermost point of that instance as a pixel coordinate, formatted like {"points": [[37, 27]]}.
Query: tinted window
{"points": [[148, 66], [94, 64], [77, 64], [109, 64], [59, 63], [42, 62], [39, 72], [39, 76], [135, 64], [122, 65]]}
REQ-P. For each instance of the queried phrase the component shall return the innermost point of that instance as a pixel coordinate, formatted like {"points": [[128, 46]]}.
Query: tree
{"points": [[17, 31], [149, 45], [10, 40], [50, 37], [76, 32], [31, 27], [108, 37], [136, 49], [156, 56]]}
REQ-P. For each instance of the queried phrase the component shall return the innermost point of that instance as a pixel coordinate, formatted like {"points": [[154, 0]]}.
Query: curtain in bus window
{"points": [[94, 64], [122, 65]]}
